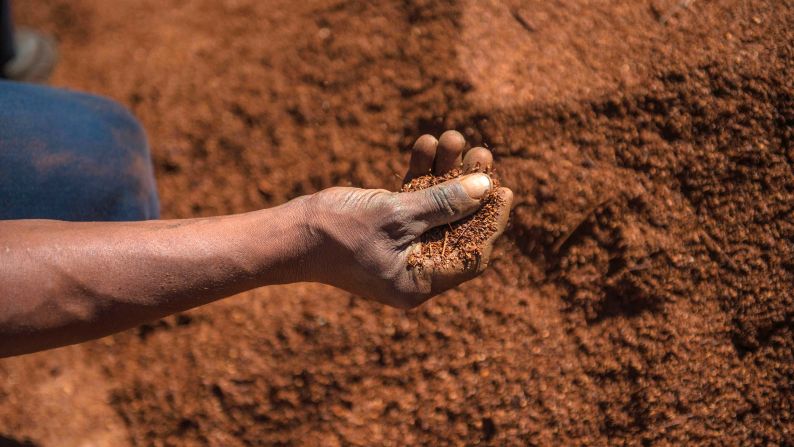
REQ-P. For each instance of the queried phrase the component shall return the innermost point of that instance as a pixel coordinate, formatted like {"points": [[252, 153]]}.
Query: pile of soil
{"points": [[642, 296], [461, 242]]}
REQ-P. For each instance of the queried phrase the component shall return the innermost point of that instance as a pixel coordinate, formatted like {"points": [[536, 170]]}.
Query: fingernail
{"points": [[476, 185]]}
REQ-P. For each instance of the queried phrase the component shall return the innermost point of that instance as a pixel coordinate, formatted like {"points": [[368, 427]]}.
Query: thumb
{"points": [[447, 202]]}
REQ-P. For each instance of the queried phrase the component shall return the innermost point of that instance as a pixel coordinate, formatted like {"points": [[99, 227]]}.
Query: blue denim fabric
{"points": [[72, 156]]}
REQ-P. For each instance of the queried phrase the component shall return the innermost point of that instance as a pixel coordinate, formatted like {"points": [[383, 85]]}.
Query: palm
{"points": [[372, 233]]}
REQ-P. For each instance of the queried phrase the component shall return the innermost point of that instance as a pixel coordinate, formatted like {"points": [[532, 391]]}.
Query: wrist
{"points": [[288, 242], [315, 220], [307, 219], [324, 230]]}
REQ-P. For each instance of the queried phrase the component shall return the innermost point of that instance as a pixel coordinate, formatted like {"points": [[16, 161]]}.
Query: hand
{"points": [[367, 235]]}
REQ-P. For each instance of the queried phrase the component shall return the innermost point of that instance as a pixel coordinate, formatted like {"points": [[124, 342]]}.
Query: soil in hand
{"points": [[460, 242]]}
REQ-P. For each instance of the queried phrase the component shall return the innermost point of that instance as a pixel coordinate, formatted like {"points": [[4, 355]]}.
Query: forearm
{"points": [[65, 282]]}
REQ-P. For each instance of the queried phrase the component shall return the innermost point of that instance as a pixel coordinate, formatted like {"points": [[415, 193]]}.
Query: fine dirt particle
{"points": [[463, 240]]}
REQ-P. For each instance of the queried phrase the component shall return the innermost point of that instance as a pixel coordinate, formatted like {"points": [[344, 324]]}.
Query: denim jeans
{"points": [[72, 156]]}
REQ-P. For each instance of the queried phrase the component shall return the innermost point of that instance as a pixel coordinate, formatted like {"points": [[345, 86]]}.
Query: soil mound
{"points": [[642, 296]]}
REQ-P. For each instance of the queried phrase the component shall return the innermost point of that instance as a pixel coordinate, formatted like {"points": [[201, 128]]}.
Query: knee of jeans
{"points": [[120, 143], [114, 119]]}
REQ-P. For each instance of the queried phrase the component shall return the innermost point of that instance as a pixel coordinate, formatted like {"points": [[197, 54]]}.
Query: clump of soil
{"points": [[463, 240]]}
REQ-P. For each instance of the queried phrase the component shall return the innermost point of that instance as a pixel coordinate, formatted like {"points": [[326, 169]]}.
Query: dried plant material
{"points": [[463, 240]]}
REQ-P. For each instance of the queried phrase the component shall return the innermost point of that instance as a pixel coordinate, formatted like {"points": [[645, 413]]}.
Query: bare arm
{"points": [[67, 282]]}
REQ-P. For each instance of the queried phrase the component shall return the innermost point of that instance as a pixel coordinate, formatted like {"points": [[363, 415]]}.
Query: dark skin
{"points": [[68, 282]]}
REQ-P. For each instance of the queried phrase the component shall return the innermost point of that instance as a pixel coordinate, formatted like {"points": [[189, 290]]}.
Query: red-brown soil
{"points": [[461, 243], [642, 296]]}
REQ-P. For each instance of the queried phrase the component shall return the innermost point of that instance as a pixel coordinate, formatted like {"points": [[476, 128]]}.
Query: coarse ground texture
{"points": [[642, 296]]}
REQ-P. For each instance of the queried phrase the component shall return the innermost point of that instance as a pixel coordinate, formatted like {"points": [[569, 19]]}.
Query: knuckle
{"points": [[396, 210], [443, 200], [392, 204], [402, 221]]}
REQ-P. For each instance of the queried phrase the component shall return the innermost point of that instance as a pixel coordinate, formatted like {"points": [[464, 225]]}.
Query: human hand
{"points": [[367, 235]]}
